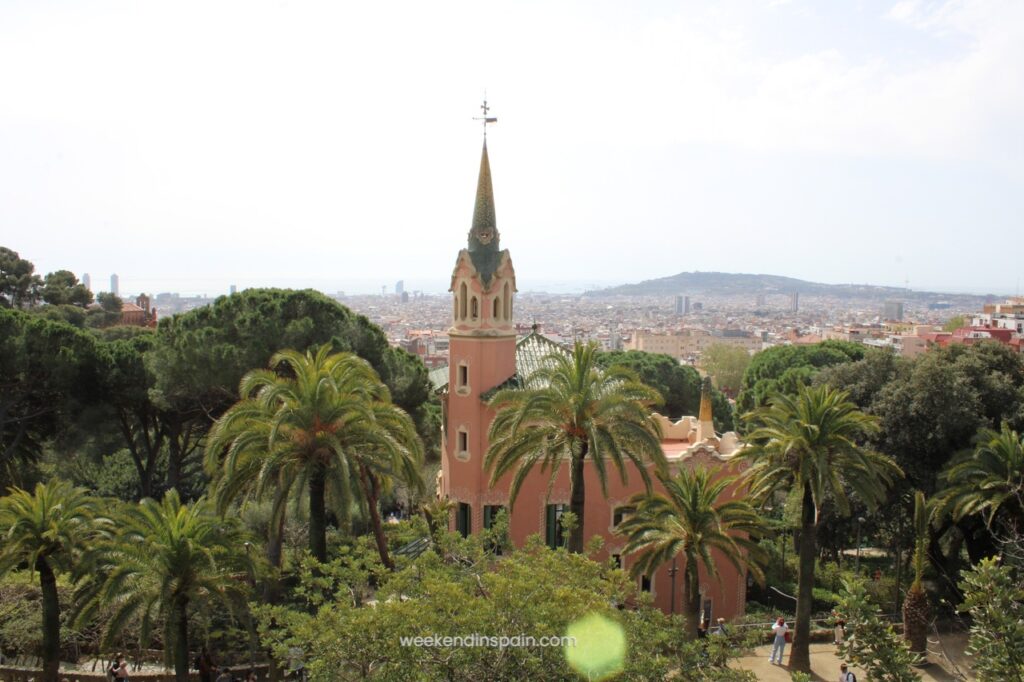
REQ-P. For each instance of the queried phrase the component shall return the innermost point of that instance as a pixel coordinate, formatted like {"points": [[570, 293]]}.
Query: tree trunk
{"points": [[51, 621], [371, 489], [143, 468], [174, 457], [691, 599], [577, 498], [318, 513], [800, 653], [180, 616], [915, 619]]}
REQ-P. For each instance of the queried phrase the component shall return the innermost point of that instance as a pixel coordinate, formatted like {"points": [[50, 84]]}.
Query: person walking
{"points": [[205, 666], [840, 633], [780, 630], [845, 675]]}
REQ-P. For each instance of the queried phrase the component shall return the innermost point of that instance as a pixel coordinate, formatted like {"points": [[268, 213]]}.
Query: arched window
{"points": [[497, 307], [474, 309], [463, 295], [455, 308], [508, 302]]}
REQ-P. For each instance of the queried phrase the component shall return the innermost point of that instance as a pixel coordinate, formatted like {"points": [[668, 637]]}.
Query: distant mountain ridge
{"points": [[726, 283]]}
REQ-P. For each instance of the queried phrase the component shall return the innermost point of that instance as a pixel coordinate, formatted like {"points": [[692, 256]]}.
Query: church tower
{"points": [[482, 355]]}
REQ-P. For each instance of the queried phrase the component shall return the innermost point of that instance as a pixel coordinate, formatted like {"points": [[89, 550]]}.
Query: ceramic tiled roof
{"points": [[438, 377], [530, 353]]}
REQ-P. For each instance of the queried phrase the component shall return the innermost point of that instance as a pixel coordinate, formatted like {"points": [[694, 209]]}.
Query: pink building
{"points": [[484, 353]]}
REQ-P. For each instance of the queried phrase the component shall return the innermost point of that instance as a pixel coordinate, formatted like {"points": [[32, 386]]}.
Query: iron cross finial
{"points": [[485, 119]]}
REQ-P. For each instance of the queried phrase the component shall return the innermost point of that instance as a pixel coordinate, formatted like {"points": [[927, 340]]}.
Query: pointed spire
{"points": [[483, 235]]}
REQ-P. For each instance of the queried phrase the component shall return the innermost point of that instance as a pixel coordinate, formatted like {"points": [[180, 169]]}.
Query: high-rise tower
{"points": [[482, 352]]}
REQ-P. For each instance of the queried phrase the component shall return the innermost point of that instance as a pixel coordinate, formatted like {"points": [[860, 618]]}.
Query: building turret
{"points": [[705, 421], [482, 355]]}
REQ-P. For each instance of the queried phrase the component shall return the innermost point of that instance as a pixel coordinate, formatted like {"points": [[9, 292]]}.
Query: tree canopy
{"points": [[63, 288], [19, 285], [726, 364], [781, 369], [48, 369], [678, 384], [200, 357]]}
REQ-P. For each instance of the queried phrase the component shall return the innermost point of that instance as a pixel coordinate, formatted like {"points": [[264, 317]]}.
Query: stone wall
{"points": [[11, 674]]}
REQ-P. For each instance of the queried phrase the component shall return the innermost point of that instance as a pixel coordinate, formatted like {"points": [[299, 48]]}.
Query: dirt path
{"points": [[824, 666]]}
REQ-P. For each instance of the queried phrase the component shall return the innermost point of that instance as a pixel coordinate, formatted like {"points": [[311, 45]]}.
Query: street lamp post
{"points": [[672, 574], [856, 565]]}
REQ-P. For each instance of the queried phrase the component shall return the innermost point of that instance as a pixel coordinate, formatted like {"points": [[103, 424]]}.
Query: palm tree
{"points": [[989, 481], [571, 411], [47, 530], [915, 608], [168, 560], [322, 422], [693, 520], [807, 446]]}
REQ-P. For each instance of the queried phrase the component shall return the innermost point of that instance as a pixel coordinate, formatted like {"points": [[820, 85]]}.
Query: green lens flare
{"points": [[596, 647]]}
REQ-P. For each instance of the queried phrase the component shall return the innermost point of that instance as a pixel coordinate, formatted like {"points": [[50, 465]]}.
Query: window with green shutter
{"points": [[553, 525], [464, 519], [490, 514]]}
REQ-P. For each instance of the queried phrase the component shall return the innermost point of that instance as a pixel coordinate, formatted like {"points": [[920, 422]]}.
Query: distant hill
{"points": [[725, 283]]}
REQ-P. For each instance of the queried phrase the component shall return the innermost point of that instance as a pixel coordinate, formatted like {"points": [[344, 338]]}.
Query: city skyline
{"points": [[434, 286], [873, 142]]}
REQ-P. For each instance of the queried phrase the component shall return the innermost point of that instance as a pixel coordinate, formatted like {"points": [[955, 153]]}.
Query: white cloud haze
{"points": [[188, 144]]}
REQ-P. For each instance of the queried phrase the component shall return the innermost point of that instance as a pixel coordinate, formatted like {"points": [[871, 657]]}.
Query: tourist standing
{"points": [[780, 630], [840, 629], [205, 666]]}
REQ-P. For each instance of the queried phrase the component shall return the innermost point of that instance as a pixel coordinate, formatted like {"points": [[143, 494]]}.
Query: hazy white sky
{"points": [[185, 145]]}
